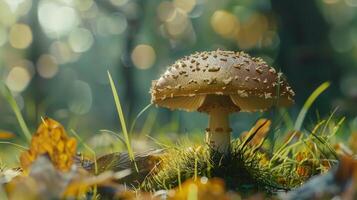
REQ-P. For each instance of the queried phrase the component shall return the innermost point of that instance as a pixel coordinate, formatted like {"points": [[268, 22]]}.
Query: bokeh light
{"points": [[56, 19], [224, 23], [3, 35], [90, 13], [352, 3], [62, 52], [80, 40], [112, 25], [47, 66], [84, 5], [20, 36], [177, 25], [143, 56], [7, 17], [166, 11], [340, 40], [119, 2], [348, 86], [20, 7], [330, 1], [185, 5], [18, 79], [252, 30], [80, 98]]}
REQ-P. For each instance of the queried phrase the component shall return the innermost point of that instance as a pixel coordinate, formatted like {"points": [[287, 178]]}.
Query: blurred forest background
{"points": [[54, 55]]}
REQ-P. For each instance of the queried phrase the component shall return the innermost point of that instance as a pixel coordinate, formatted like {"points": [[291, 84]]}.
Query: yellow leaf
{"points": [[6, 135], [50, 139]]}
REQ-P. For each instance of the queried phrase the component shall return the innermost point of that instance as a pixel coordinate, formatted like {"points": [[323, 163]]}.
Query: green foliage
{"points": [[122, 119], [308, 104], [11, 100], [251, 168]]}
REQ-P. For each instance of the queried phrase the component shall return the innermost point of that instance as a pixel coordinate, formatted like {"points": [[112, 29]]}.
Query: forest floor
{"points": [[275, 160]]}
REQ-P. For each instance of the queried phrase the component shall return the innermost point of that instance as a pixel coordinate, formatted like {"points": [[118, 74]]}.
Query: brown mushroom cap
{"points": [[192, 83]]}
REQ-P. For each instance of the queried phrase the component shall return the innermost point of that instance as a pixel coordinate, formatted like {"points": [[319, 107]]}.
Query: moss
{"points": [[241, 169], [248, 168]]}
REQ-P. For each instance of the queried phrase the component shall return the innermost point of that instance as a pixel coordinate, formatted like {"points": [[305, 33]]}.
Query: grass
{"points": [[122, 120], [308, 104], [248, 168], [240, 170], [12, 102], [272, 165]]}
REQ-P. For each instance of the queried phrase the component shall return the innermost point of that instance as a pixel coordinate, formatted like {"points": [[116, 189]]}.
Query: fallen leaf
{"points": [[6, 135], [51, 139], [146, 162], [44, 181], [260, 130]]}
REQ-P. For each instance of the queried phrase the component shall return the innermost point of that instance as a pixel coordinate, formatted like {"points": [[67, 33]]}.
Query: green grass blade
{"points": [[121, 139], [137, 117], [196, 170], [308, 104], [286, 118], [11, 100], [179, 178], [148, 124], [122, 120], [17, 146]]}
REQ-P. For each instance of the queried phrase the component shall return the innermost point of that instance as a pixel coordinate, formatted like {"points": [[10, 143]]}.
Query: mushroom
{"points": [[219, 83]]}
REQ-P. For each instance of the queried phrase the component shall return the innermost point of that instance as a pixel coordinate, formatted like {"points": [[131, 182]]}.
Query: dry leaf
{"points": [[146, 163], [43, 182], [260, 129], [6, 135], [83, 183], [51, 139], [342, 150]]}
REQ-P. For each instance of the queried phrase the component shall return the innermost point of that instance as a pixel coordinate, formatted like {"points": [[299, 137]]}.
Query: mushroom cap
{"points": [[195, 82]]}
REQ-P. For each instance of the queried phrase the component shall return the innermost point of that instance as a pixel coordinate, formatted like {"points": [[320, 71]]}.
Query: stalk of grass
{"points": [[137, 117], [308, 103], [179, 177], [163, 145], [328, 120], [17, 146], [196, 170], [11, 100], [286, 118], [121, 139], [336, 128], [148, 124], [122, 121]]}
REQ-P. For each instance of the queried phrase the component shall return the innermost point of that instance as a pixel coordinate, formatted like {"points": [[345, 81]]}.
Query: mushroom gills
{"points": [[185, 102], [251, 104]]}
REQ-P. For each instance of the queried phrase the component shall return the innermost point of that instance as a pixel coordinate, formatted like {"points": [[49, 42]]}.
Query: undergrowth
{"points": [[248, 169]]}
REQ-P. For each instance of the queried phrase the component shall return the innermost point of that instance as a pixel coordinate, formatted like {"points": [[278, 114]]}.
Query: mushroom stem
{"points": [[218, 134]]}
